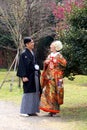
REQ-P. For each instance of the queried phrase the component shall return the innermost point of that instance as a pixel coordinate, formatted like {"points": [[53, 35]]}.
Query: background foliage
{"points": [[46, 21], [72, 31], [76, 41]]}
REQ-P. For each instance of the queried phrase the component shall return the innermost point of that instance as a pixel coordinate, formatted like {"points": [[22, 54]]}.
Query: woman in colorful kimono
{"points": [[52, 80]]}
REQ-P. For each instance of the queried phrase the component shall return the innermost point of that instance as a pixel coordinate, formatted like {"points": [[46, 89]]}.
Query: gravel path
{"points": [[10, 119]]}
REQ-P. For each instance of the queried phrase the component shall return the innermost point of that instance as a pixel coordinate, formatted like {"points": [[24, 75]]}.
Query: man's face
{"points": [[30, 45]]}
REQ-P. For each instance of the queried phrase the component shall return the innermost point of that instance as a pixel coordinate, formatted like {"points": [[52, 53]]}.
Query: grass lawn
{"points": [[9, 90], [74, 109]]}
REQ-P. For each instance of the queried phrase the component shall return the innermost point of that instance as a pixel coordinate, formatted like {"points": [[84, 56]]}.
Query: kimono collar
{"points": [[29, 51], [54, 54]]}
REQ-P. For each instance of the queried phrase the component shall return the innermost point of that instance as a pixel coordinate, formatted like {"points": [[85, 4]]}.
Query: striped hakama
{"points": [[30, 101]]}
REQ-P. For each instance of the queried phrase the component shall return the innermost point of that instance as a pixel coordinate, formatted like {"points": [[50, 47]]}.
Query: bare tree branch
{"points": [[13, 16]]}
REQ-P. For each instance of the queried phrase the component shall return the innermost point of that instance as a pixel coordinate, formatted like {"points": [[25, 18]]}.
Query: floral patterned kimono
{"points": [[52, 72]]}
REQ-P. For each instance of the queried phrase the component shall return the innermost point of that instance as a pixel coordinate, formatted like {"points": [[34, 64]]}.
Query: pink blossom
{"points": [[60, 10]]}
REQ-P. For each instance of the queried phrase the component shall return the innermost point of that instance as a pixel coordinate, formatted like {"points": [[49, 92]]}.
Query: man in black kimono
{"points": [[29, 72]]}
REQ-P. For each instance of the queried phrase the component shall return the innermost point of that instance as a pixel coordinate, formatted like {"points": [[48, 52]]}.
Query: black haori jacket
{"points": [[26, 68]]}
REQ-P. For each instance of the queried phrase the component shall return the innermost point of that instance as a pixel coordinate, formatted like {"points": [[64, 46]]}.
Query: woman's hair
{"points": [[58, 45], [27, 40]]}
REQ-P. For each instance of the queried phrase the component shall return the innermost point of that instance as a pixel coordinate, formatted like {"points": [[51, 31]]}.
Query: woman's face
{"points": [[52, 48]]}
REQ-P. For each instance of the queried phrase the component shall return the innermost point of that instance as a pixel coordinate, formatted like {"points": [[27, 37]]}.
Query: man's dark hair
{"points": [[27, 39]]}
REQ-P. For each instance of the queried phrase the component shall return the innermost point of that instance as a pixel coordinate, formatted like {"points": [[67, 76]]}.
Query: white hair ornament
{"points": [[58, 45]]}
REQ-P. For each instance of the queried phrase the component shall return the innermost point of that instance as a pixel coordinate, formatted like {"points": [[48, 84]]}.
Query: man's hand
{"points": [[25, 79]]}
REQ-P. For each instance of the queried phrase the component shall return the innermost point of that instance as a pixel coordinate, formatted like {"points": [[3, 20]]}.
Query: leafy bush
{"points": [[76, 41]]}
